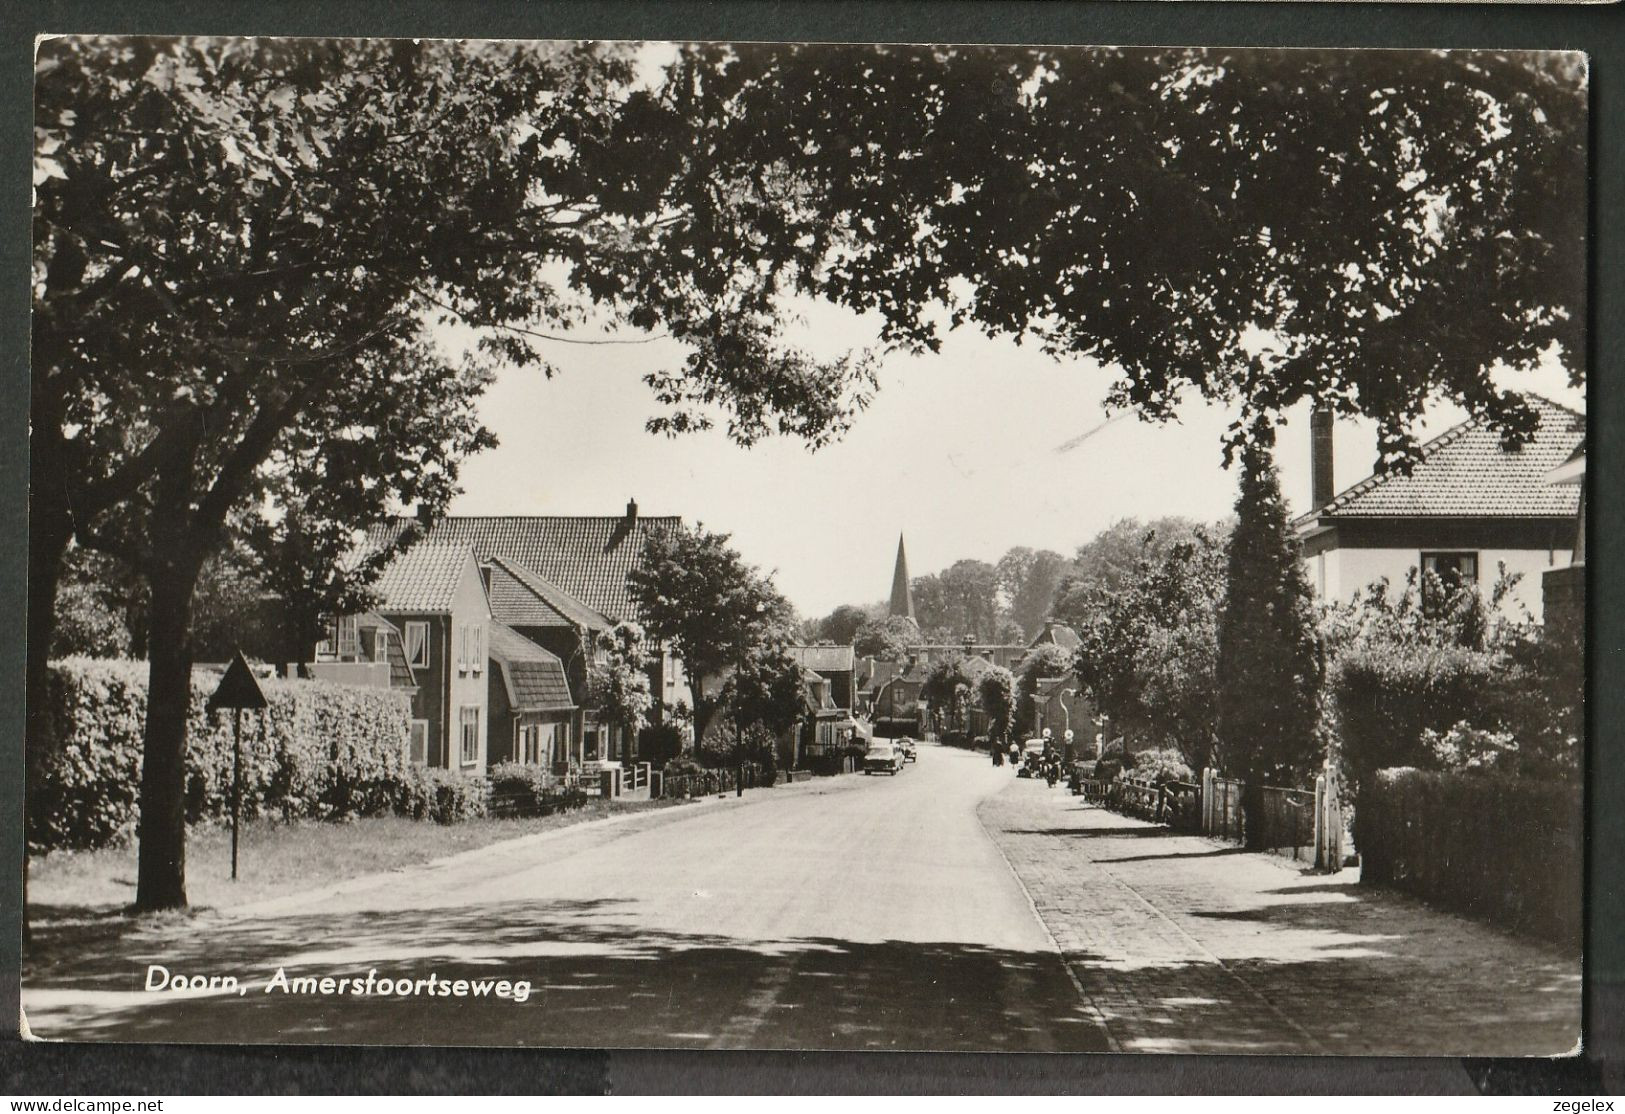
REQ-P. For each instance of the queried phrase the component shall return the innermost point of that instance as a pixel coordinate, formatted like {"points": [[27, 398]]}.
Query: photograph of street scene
{"points": [[783, 546]]}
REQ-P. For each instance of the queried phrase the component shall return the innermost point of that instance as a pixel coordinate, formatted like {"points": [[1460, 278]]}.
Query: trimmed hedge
{"points": [[1388, 695], [1502, 849], [323, 751]]}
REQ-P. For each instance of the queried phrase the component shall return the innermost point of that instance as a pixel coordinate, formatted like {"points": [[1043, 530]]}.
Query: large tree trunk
{"points": [[49, 529], [161, 870], [176, 563]]}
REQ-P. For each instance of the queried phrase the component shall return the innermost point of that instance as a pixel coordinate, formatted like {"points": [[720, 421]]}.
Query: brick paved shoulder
{"points": [[1185, 944]]}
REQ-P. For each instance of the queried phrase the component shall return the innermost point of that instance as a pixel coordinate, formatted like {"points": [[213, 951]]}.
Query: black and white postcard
{"points": [[790, 546]]}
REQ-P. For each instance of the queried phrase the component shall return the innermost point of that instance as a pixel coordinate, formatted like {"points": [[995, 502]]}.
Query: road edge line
{"points": [[1095, 1013]]}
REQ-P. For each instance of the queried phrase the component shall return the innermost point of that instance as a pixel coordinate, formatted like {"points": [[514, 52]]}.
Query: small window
{"points": [[469, 722], [477, 660], [348, 638], [417, 645], [419, 746], [1454, 570]]}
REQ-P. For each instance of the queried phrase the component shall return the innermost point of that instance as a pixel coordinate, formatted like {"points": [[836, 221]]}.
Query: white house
{"points": [[1469, 507]]}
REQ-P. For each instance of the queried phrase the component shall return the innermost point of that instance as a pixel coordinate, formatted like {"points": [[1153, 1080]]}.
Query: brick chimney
{"points": [[631, 510], [1321, 485]]}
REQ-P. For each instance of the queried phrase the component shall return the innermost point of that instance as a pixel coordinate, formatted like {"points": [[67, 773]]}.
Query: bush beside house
{"points": [[322, 751], [1388, 695], [518, 789]]}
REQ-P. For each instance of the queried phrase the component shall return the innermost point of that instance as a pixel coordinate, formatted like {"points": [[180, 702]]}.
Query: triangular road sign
{"points": [[238, 688]]}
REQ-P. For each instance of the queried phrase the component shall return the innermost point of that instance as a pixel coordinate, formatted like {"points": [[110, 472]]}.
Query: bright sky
{"points": [[958, 452]]}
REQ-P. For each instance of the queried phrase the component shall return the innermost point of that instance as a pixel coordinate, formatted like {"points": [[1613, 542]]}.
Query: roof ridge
{"points": [[525, 575], [1440, 441]]}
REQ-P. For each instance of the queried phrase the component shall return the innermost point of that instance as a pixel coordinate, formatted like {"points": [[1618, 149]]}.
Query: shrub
{"points": [[321, 751], [683, 767], [1503, 849], [1158, 766], [1388, 694], [1110, 762], [1466, 748], [444, 796], [659, 743], [518, 789]]}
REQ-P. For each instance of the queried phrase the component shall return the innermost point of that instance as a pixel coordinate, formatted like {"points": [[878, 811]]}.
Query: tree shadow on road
{"points": [[598, 978]]}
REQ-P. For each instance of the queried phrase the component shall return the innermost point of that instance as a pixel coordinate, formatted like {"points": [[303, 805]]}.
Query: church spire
{"points": [[902, 596]]}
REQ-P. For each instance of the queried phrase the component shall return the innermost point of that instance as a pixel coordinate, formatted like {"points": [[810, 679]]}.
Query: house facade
{"points": [[836, 664], [1470, 508], [1062, 706], [569, 629], [533, 716], [433, 596], [587, 558], [1563, 587]]}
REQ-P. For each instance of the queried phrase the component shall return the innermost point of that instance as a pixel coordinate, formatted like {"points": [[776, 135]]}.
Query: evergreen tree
{"points": [[1269, 664]]}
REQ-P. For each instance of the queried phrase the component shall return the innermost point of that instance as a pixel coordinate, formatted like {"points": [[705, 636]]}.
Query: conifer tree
{"points": [[1269, 664]]}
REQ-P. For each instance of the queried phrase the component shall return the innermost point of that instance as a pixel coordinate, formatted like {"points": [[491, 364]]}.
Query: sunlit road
{"points": [[852, 912]]}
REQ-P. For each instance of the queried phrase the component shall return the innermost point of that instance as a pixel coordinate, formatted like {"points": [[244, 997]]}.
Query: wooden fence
{"points": [[1305, 825]]}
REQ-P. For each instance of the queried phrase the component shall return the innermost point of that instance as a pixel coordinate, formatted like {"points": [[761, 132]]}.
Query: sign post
{"points": [[237, 690]]}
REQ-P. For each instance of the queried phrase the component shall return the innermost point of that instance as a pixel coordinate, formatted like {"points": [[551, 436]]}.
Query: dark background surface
{"points": [[50, 1070]]}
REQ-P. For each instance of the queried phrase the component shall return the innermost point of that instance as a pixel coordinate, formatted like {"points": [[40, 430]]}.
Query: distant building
{"points": [[902, 592], [1468, 507], [1055, 633], [836, 664]]}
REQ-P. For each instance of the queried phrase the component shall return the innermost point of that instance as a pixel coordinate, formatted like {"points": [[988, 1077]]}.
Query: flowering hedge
{"points": [[1388, 696], [320, 751], [1504, 849]]}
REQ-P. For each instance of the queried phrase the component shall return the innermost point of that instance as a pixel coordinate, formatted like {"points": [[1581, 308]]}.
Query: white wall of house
{"points": [[467, 663], [1340, 574]]}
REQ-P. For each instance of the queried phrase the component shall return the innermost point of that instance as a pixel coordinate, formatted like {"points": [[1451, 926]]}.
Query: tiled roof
{"points": [[520, 598], [826, 659], [588, 557], [1466, 473], [816, 694], [423, 578], [1056, 634], [535, 677]]}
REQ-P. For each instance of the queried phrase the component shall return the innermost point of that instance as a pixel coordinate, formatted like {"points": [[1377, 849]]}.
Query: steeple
{"points": [[902, 597]]}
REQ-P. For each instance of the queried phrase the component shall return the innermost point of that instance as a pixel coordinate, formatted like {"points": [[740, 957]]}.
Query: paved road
{"points": [[853, 912], [950, 907]]}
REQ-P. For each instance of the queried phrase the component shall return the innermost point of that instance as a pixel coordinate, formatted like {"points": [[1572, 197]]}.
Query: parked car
{"points": [[882, 758], [906, 745], [1032, 753]]}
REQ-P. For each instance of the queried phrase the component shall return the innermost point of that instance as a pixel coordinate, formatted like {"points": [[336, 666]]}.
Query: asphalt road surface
{"points": [[844, 913]]}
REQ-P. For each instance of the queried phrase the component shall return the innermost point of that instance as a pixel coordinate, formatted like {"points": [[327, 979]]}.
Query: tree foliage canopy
{"points": [[888, 639], [1148, 641], [1390, 224], [698, 595]]}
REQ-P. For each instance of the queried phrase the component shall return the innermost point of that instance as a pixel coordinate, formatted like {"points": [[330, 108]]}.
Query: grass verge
{"points": [[275, 859]]}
